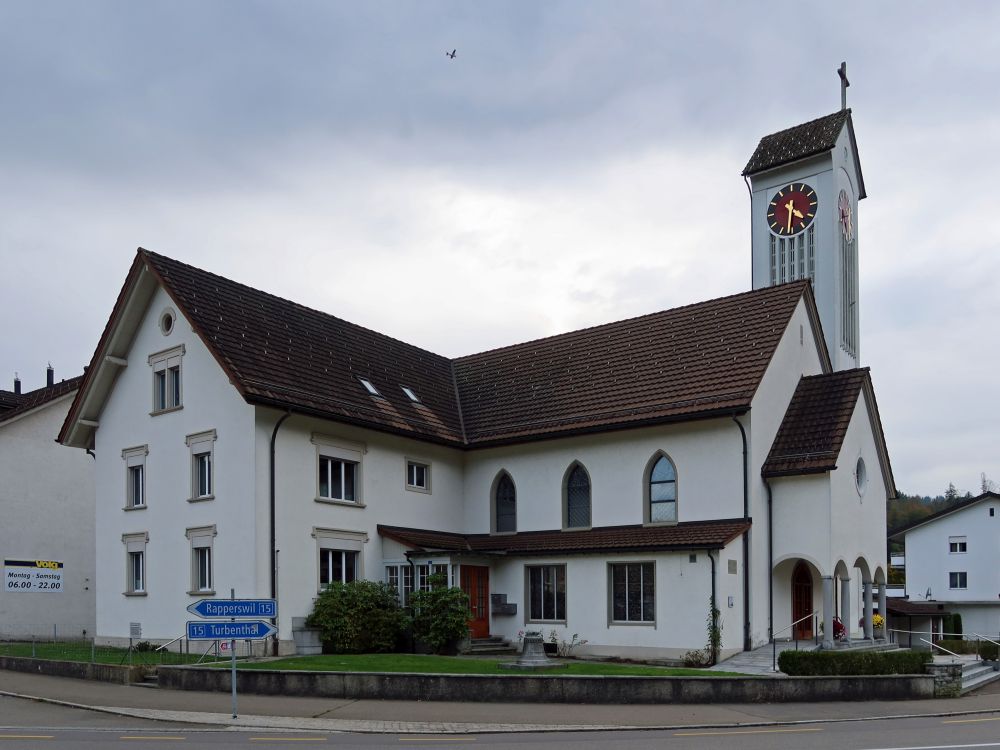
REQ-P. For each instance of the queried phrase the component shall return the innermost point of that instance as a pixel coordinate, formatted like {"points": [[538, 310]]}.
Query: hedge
{"points": [[986, 649], [852, 662]]}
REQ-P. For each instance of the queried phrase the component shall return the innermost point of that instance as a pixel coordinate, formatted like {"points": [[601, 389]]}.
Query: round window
{"points": [[167, 320], [861, 476]]}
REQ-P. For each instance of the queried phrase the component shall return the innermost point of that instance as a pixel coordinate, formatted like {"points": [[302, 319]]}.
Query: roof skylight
{"points": [[410, 394], [369, 387]]}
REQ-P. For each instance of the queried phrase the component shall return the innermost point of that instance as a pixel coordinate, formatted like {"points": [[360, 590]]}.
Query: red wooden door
{"points": [[802, 600], [476, 583]]}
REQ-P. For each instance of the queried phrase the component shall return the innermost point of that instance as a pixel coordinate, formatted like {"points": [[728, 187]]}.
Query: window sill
{"points": [[133, 593], [334, 501], [503, 533], [659, 523], [135, 507], [422, 490], [626, 623], [158, 412], [207, 592], [577, 528], [204, 499]]}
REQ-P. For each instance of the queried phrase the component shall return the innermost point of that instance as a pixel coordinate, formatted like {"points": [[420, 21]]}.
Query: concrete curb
{"points": [[225, 722]]}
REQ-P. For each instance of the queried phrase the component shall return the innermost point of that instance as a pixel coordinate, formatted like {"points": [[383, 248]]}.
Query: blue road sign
{"points": [[254, 630], [234, 608]]}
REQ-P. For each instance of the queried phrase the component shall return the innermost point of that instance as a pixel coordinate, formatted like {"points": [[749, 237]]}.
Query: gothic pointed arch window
{"points": [[661, 490], [576, 494], [504, 504]]}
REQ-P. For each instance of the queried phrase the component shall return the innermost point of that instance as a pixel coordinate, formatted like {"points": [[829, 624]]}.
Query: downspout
{"points": [[770, 564], [274, 552], [91, 454], [746, 539], [714, 611]]}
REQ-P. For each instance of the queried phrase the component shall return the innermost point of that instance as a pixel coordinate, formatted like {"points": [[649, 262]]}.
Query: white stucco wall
{"points": [[47, 502], [929, 561], [209, 402], [384, 499]]}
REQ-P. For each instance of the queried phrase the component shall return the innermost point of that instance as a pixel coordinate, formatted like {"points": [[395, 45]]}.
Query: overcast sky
{"points": [[552, 176]]}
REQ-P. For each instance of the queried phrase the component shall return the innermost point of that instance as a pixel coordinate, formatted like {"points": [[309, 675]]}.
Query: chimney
{"points": [[50, 376], [17, 384]]}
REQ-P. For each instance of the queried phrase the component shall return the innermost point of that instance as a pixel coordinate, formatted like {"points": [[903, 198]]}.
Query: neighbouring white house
{"points": [[47, 506], [611, 482], [953, 561]]}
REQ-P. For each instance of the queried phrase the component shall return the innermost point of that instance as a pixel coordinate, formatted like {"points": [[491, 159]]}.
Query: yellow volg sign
{"points": [[31, 576], [51, 564]]}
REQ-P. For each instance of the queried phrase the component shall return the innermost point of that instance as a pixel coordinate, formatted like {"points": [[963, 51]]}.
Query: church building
{"points": [[721, 462]]}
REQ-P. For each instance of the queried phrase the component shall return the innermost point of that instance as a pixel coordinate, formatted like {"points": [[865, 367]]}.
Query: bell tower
{"points": [[805, 184]]}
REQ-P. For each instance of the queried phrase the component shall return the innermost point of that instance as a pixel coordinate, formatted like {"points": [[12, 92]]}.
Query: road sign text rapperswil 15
{"points": [[234, 608]]}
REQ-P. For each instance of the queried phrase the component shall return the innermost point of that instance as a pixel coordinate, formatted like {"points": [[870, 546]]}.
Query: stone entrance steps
{"points": [[494, 644], [976, 674]]}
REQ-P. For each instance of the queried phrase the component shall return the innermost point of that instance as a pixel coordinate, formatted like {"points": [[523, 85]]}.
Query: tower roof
{"points": [[802, 141]]}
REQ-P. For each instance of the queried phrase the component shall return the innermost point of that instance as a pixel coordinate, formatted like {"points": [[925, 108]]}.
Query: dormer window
{"points": [[369, 387], [410, 394]]}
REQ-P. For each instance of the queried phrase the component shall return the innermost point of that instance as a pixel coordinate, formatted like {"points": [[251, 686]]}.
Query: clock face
{"points": [[792, 209]]}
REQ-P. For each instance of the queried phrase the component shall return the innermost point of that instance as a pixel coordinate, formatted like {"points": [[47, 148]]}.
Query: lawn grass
{"points": [[426, 664], [81, 651]]}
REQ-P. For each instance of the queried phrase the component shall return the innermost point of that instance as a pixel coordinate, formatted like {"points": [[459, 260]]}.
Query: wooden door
{"points": [[476, 583], [802, 600]]}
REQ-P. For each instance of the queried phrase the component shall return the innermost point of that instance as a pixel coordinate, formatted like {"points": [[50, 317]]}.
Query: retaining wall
{"points": [[547, 689], [122, 675]]}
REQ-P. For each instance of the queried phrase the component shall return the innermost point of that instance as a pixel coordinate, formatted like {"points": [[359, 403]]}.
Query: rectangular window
{"points": [[337, 479], [811, 251], [546, 593], [801, 257], [135, 476], [418, 476], [167, 379], [957, 544], [202, 446], [135, 563], [424, 573], [202, 576], [774, 260], [632, 592], [400, 577], [337, 566], [783, 265], [958, 580]]}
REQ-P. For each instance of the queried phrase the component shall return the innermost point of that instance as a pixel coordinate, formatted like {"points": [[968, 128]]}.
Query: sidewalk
{"points": [[418, 717]]}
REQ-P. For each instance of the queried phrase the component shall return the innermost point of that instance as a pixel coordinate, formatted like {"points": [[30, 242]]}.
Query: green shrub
{"points": [[852, 662], [985, 649], [441, 615], [359, 617]]}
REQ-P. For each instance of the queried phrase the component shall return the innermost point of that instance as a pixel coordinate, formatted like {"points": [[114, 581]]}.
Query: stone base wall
{"points": [[521, 688], [947, 679], [122, 675]]}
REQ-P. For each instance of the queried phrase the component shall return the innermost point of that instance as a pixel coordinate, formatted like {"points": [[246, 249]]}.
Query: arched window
{"points": [[662, 491], [505, 504], [577, 498]]}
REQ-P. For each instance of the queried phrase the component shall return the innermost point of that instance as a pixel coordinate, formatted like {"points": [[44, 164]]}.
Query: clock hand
{"points": [[790, 207]]}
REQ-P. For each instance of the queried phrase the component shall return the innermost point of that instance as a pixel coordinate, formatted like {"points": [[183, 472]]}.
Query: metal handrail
{"points": [[934, 645], [774, 643], [171, 643], [984, 638]]}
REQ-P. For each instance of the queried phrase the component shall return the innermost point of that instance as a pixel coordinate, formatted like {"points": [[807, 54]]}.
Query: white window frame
{"points": [[135, 461], [167, 368], [958, 545], [339, 540], [611, 593], [334, 449], [135, 544], [960, 578], [546, 570], [410, 481], [202, 448], [202, 539], [400, 576]]}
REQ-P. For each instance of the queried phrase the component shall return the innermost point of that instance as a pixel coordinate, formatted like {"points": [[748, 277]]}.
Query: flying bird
{"points": [[452, 53]]}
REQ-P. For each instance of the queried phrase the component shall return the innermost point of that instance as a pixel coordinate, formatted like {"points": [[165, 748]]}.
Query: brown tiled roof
{"points": [[8, 400], [698, 360], [691, 362], [900, 606], [815, 423], [40, 396], [808, 139], [282, 354], [689, 535]]}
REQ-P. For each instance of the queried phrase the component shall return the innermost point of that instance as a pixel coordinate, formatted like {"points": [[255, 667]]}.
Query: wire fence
{"points": [[130, 651]]}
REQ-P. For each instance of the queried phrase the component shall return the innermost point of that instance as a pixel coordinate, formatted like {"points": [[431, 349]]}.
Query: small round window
{"points": [[167, 320], [861, 476]]}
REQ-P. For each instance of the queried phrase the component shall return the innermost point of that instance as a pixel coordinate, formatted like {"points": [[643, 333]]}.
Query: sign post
{"points": [[251, 630]]}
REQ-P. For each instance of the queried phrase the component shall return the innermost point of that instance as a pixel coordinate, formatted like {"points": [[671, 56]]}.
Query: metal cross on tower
{"points": [[844, 83]]}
